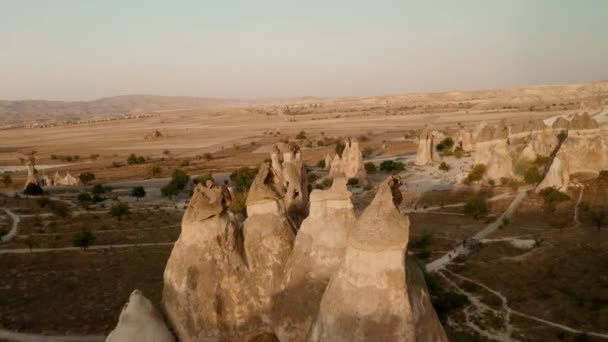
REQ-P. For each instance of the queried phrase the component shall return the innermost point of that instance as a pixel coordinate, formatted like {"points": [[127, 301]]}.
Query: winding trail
{"points": [[454, 205]]}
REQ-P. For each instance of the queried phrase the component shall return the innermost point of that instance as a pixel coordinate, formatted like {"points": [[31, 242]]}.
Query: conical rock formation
{"points": [[350, 165], [318, 251], [368, 296], [140, 321]]}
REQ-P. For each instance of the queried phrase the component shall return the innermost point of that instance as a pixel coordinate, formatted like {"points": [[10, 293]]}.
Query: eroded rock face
{"points": [[32, 174], [492, 150], [206, 295], [140, 321], [318, 250], [350, 165], [290, 171], [427, 141], [368, 296]]}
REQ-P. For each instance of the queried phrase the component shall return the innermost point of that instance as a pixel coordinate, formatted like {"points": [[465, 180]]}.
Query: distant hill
{"points": [[34, 110]]}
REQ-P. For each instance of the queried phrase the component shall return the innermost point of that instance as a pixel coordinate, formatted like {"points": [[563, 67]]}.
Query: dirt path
{"points": [[13, 232], [46, 250], [440, 263], [24, 337]]}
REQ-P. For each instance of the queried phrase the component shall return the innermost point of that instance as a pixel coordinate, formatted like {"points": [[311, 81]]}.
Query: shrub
{"points": [[84, 197], [370, 167], [444, 166], [552, 196], [180, 178], [321, 163], [312, 177], [138, 192], [340, 148], [99, 189], [120, 209], [202, 179], [133, 159], [83, 239], [301, 135], [7, 180], [116, 164], [155, 171], [207, 156], [476, 173], [458, 152], [353, 181], [327, 183], [368, 187], [367, 151], [166, 152], [238, 203], [392, 166], [185, 163], [86, 177], [94, 156], [423, 241], [445, 145], [476, 207], [169, 190], [603, 176], [532, 175], [33, 190], [243, 178]]}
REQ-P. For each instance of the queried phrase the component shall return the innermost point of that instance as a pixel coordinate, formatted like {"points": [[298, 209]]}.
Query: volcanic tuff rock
{"points": [[139, 321], [369, 298], [290, 171], [32, 174], [350, 165], [427, 141], [317, 253]]}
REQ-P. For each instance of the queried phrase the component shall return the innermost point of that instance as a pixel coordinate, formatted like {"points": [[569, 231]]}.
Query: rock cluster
{"points": [[67, 180], [339, 279], [350, 165]]}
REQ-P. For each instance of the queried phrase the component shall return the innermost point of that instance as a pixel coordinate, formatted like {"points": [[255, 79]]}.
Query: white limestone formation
{"points": [[140, 321], [368, 298], [318, 251], [350, 165]]}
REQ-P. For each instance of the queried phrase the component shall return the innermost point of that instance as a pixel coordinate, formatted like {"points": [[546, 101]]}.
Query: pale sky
{"points": [[83, 50]]}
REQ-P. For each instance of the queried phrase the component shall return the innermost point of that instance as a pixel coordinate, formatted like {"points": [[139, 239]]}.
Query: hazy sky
{"points": [[81, 49]]}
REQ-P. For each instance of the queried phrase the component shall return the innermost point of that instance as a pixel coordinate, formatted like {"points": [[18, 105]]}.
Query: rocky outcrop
{"points": [[350, 165], [368, 298], [318, 250], [68, 180], [206, 295], [464, 139], [492, 150], [328, 161], [290, 171], [32, 174], [140, 321], [426, 153]]}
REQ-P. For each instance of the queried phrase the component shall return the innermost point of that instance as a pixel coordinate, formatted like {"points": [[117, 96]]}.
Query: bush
{"points": [[321, 163], [133, 159], [353, 181], [552, 196], [86, 177], [155, 171], [532, 175], [120, 209], [138, 192], [367, 151], [392, 166], [238, 205], [340, 148], [7, 180], [33, 190], [169, 190], [444, 166], [83, 239], [185, 163], [370, 167], [312, 177], [458, 152], [445, 145], [243, 178], [207, 156], [368, 187], [202, 179], [301, 135], [603, 176], [84, 197], [99, 189], [476, 207], [180, 178], [327, 183], [476, 173]]}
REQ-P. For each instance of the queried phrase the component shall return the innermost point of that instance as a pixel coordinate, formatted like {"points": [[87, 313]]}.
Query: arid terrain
{"points": [[533, 270]]}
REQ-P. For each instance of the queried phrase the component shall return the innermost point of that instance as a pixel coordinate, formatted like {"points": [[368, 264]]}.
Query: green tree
{"points": [[86, 177], [476, 173], [445, 145], [83, 239], [84, 198], [99, 189], [392, 166], [243, 178], [180, 178], [138, 192], [120, 209], [169, 190], [444, 166], [370, 167]]}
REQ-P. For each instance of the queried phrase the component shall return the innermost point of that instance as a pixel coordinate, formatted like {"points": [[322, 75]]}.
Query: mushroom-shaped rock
{"points": [[57, 180], [206, 296], [368, 298], [140, 321], [318, 250]]}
